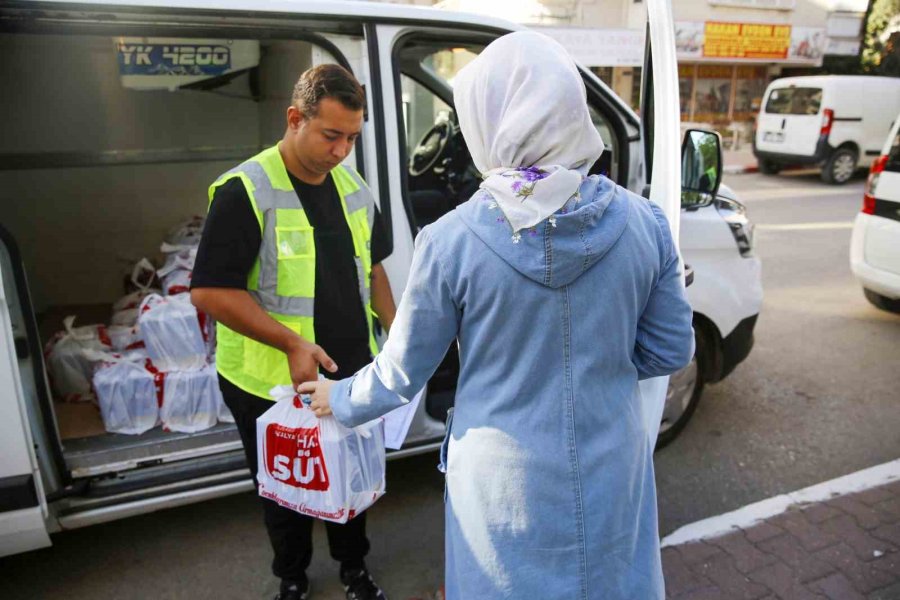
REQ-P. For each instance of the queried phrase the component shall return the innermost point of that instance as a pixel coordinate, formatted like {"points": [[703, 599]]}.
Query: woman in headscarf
{"points": [[562, 291]]}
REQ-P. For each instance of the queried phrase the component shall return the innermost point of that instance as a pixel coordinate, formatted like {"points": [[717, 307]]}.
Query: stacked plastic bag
{"points": [[68, 360], [126, 393], [157, 345]]}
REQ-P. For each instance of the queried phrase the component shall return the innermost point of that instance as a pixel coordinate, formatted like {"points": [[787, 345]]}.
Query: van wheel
{"points": [[839, 167], [767, 167], [882, 302], [682, 397]]}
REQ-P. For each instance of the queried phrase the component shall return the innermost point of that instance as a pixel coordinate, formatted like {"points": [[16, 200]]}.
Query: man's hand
{"points": [[304, 359], [236, 309], [319, 390]]}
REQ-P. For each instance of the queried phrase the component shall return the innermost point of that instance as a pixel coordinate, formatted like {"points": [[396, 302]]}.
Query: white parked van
{"points": [[875, 244], [118, 117], [837, 122]]}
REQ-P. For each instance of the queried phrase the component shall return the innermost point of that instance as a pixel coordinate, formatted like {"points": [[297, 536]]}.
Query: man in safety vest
{"points": [[289, 267]]}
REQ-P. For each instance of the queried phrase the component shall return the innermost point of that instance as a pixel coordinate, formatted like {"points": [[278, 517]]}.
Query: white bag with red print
{"points": [[176, 272], [315, 466], [126, 393], [68, 363], [171, 332], [191, 400], [124, 338], [187, 232]]}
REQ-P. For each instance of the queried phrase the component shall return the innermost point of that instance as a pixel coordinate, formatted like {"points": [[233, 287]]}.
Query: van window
{"points": [[440, 172], [794, 101]]}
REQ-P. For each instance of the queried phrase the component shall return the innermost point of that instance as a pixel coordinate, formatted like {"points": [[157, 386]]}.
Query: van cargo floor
{"points": [[111, 452]]}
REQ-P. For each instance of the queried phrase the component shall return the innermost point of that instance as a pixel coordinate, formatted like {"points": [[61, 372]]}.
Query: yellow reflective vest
{"points": [[283, 277]]}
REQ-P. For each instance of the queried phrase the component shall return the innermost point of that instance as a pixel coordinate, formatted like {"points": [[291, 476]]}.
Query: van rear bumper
{"points": [[823, 151]]}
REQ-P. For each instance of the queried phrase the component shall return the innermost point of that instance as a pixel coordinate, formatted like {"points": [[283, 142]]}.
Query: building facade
{"points": [[728, 50]]}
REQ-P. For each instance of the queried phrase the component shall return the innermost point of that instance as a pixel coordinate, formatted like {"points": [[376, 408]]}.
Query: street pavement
{"points": [[846, 548], [816, 399]]}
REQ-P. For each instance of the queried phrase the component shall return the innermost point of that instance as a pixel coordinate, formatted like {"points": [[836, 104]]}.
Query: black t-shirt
{"points": [[230, 245]]}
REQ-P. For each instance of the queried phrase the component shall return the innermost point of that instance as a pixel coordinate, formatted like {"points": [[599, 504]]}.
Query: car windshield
{"points": [[794, 101]]}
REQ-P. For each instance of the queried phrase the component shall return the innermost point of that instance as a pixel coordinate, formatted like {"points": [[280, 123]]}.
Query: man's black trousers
{"points": [[289, 531]]}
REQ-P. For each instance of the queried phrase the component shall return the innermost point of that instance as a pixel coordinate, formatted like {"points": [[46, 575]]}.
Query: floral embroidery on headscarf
{"points": [[524, 180]]}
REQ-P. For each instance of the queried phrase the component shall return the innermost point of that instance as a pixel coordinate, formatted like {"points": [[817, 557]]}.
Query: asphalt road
{"points": [[818, 396], [816, 399]]}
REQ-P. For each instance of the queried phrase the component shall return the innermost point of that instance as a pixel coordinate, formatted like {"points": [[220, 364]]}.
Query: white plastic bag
{"points": [[318, 467], [125, 309], [191, 400], [171, 332], [69, 366], [187, 232], [175, 274], [126, 393], [124, 337], [124, 318]]}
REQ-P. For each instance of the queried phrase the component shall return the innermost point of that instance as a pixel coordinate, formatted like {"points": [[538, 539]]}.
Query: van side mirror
{"points": [[701, 167]]}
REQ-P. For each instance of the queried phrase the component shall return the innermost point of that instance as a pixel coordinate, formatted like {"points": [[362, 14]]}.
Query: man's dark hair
{"points": [[327, 81]]}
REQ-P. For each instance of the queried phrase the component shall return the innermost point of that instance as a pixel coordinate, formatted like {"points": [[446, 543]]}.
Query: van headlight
{"points": [[735, 214]]}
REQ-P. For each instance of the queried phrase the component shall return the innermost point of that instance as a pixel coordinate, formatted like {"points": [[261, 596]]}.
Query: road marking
{"points": [[753, 514], [807, 226], [790, 193]]}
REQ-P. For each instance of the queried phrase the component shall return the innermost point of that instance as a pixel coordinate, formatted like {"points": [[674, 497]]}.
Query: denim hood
{"points": [[554, 256]]}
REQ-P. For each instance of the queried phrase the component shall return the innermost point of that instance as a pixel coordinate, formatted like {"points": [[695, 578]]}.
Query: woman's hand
{"points": [[319, 391]]}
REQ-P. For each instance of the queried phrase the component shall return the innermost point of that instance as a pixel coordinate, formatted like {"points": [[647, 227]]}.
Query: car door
{"points": [[23, 507], [661, 120]]}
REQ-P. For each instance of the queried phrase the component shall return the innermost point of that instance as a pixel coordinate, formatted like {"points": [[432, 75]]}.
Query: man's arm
{"points": [[237, 310], [382, 298]]}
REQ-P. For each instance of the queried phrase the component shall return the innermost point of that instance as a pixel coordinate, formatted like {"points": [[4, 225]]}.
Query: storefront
{"points": [[724, 67]]}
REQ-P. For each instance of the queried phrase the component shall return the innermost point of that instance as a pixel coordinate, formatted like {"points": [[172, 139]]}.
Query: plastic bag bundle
{"points": [[125, 309], [126, 393], [191, 400], [68, 363], [171, 332], [186, 233], [315, 466], [123, 337], [175, 273]]}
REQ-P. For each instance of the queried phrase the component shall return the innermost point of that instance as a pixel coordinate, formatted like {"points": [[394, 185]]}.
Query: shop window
{"points": [[749, 90], [605, 74], [686, 89], [713, 95]]}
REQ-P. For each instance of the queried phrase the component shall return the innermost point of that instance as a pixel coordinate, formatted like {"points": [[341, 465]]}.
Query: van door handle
{"points": [[783, 123]]}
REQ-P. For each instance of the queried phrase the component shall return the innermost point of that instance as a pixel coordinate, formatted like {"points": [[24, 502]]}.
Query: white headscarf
{"points": [[523, 112]]}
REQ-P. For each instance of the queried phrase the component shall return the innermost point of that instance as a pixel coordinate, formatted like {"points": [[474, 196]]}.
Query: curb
{"points": [[740, 169], [753, 514]]}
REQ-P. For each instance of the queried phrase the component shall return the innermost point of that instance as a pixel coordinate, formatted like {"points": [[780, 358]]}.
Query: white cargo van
{"points": [[118, 116], [836, 122]]}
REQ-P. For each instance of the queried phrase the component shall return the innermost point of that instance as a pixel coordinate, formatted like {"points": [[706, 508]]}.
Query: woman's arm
{"points": [[426, 324]]}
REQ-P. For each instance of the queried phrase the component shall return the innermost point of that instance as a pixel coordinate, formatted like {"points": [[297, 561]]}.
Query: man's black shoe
{"points": [[291, 590], [358, 585]]}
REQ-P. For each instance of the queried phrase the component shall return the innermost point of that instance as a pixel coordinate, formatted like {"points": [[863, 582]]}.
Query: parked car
{"points": [[875, 243], [159, 101], [836, 122]]}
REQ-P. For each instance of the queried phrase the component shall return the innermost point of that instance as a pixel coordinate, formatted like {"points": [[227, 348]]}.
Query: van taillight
{"points": [[868, 206], [827, 121]]}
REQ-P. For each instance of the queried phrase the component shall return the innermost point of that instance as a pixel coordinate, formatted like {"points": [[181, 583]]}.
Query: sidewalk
{"points": [[823, 546], [739, 161]]}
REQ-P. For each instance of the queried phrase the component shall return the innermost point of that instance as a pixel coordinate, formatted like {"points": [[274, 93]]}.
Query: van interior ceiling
{"points": [[101, 161]]}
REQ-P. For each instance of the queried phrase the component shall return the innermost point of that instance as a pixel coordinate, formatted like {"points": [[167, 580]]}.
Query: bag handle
{"points": [[142, 265]]}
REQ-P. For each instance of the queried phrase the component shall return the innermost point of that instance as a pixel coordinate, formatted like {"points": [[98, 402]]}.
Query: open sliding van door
{"points": [[660, 119], [23, 506]]}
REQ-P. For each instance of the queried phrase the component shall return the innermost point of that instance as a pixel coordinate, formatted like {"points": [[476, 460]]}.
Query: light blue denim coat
{"points": [[548, 457]]}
